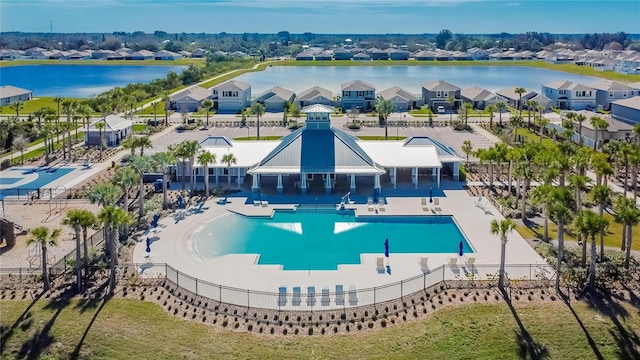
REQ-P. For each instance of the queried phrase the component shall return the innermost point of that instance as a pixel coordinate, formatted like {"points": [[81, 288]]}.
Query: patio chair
{"points": [[311, 296], [436, 204], [353, 295], [282, 296], [381, 204], [424, 204], [424, 264], [339, 295], [469, 265], [297, 299], [325, 300], [370, 204], [380, 265], [263, 200], [453, 267]]}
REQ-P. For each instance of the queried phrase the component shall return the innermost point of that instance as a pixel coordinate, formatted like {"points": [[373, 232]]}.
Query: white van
{"points": [[441, 109]]}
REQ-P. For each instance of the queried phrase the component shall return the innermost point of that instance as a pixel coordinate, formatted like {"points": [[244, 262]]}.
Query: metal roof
{"points": [[216, 141], [399, 92], [440, 85], [315, 92], [444, 152], [9, 91], [357, 85]]}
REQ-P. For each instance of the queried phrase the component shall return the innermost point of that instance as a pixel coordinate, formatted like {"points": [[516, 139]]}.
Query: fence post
{"points": [[443, 267], [530, 278], [424, 281], [248, 299], [177, 279], [401, 288], [196, 286], [374, 296], [220, 294]]}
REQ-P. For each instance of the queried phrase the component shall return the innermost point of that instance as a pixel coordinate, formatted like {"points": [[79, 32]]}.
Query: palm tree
{"points": [[142, 165], [467, 107], [229, 159], [544, 195], [601, 195], [560, 212], [125, 178], [384, 108], [520, 91], [130, 143], [491, 109], [143, 142], [104, 194], [589, 224], [205, 158], [628, 214], [41, 236], [163, 160], [42, 113], [20, 143], [112, 217], [452, 103], [17, 106], [186, 151], [601, 166], [578, 183], [69, 107], [257, 109], [554, 134], [467, 149], [501, 106], [155, 105], [167, 99], [208, 104], [625, 152], [530, 104], [542, 123], [515, 121], [85, 111], [580, 118], [87, 220], [502, 228], [634, 161], [598, 124], [75, 219], [58, 101], [100, 126], [46, 134]]}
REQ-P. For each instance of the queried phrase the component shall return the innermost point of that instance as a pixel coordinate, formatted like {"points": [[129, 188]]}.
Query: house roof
{"points": [[317, 108], [165, 53], [476, 93], [232, 85], [9, 91], [398, 92], [357, 85], [567, 85], [614, 125], [247, 153], [305, 54], [633, 103], [317, 151], [510, 93], [608, 85], [444, 152], [112, 123], [276, 92], [315, 92], [361, 56], [440, 85], [195, 93], [391, 154]]}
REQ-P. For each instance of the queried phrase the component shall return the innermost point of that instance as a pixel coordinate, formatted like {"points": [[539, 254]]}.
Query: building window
{"points": [[562, 92], [624, 94], [360, 93], [610, 93], [309, 176]]}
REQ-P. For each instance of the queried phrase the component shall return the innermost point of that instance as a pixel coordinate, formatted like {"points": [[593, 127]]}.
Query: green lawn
{"points": [[530, 136], [612, 237], [104, 62], [149, 110], [130, 329], [139, 127], [33, 105]]}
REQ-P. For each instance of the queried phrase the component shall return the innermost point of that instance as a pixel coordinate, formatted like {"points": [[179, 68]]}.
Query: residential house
{"points": [[101, 54], [185, 54], [35, 53], [402, 99], [361, 57], [478, 54], [275, 99], [166, 55], [140, 55], [323, 55], [342, 54], [190, 99], [199, 53], [239, 55], [10, 94], [378, 54], [460, 56], [513, 99], [9, 54], [627, 110], [478, 97], [542, 101], [425, 55], [117, 55], [627, 63], [357, 50], [231, 96], [570, 95], [608, 91], [304, 56], [116, 129], [399, 54], [315, 95], [435, 94], [442, 55], [616, 130], [358, 94]]}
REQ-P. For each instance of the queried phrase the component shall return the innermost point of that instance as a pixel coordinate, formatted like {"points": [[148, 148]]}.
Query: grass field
{"points": [[184, 62], [612, 237], [131, 329], [35, 104]]}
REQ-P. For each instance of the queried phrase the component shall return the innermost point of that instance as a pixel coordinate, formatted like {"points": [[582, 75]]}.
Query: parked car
{"points": [[441, 109]]}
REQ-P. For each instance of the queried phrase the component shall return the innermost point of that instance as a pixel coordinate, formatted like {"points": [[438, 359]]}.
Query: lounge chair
{"points": [[469, 264], [339, 295], [282, 296], [297, 299], [311, 296], [380, 265], [264, 203], [453, 267], [381, 204], [224, 201], [256, 202], [424, 266], [370, 204], [479, 203], [424, 204], [353, 295], [325, 300], [436, 204], [197, 209]]}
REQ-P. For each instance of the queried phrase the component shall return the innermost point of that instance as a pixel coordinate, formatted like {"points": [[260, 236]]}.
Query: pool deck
{"points": [[172, 246]]}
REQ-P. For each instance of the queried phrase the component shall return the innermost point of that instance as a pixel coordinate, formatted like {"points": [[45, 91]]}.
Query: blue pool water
{"points": [[80, 80], [306, 239], [45, 176]]}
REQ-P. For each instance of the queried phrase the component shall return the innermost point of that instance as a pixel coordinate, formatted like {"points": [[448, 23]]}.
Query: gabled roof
{"points": [[276, 92], [510, 93], [361, 56], [608, 85], [357, 85], [216, 141], [317, 151], [232, 85], [633, 103], [444, 152], [112, 123], [315, 92], [317, 108], [196, 93], [440, 85], [397, 92], [476, 93], [9, 91], [567, 85]]}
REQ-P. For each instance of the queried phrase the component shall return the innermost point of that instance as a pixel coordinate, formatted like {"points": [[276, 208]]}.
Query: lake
{"points": [[80, 81], [300, 78]]}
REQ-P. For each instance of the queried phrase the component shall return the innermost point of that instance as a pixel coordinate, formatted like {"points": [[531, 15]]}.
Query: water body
{"points": [[81, 81], [300, 78]]}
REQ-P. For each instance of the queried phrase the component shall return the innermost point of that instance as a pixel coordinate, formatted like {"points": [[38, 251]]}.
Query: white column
{"points": [[279, 188], [303, 186], [353, 183], [215, 171], [394, 174], [434, 172], [327, 183], [255, 184], [238, 178], [456, 171], [439, 178], [377, 181], [416, 177]]}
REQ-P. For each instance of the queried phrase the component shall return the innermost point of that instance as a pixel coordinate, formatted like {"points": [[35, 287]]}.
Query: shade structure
{"points": [[148, 249], [460, 249], [180, 202], [430, 195], [386, 247], [156, 217]]}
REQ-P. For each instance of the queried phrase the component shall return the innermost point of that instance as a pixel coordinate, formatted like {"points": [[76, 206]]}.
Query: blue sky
{"points": [[321, 16]]}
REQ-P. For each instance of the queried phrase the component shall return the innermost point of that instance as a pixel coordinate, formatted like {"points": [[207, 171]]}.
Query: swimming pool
{"points": [[41, 177], [322, 240]]}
